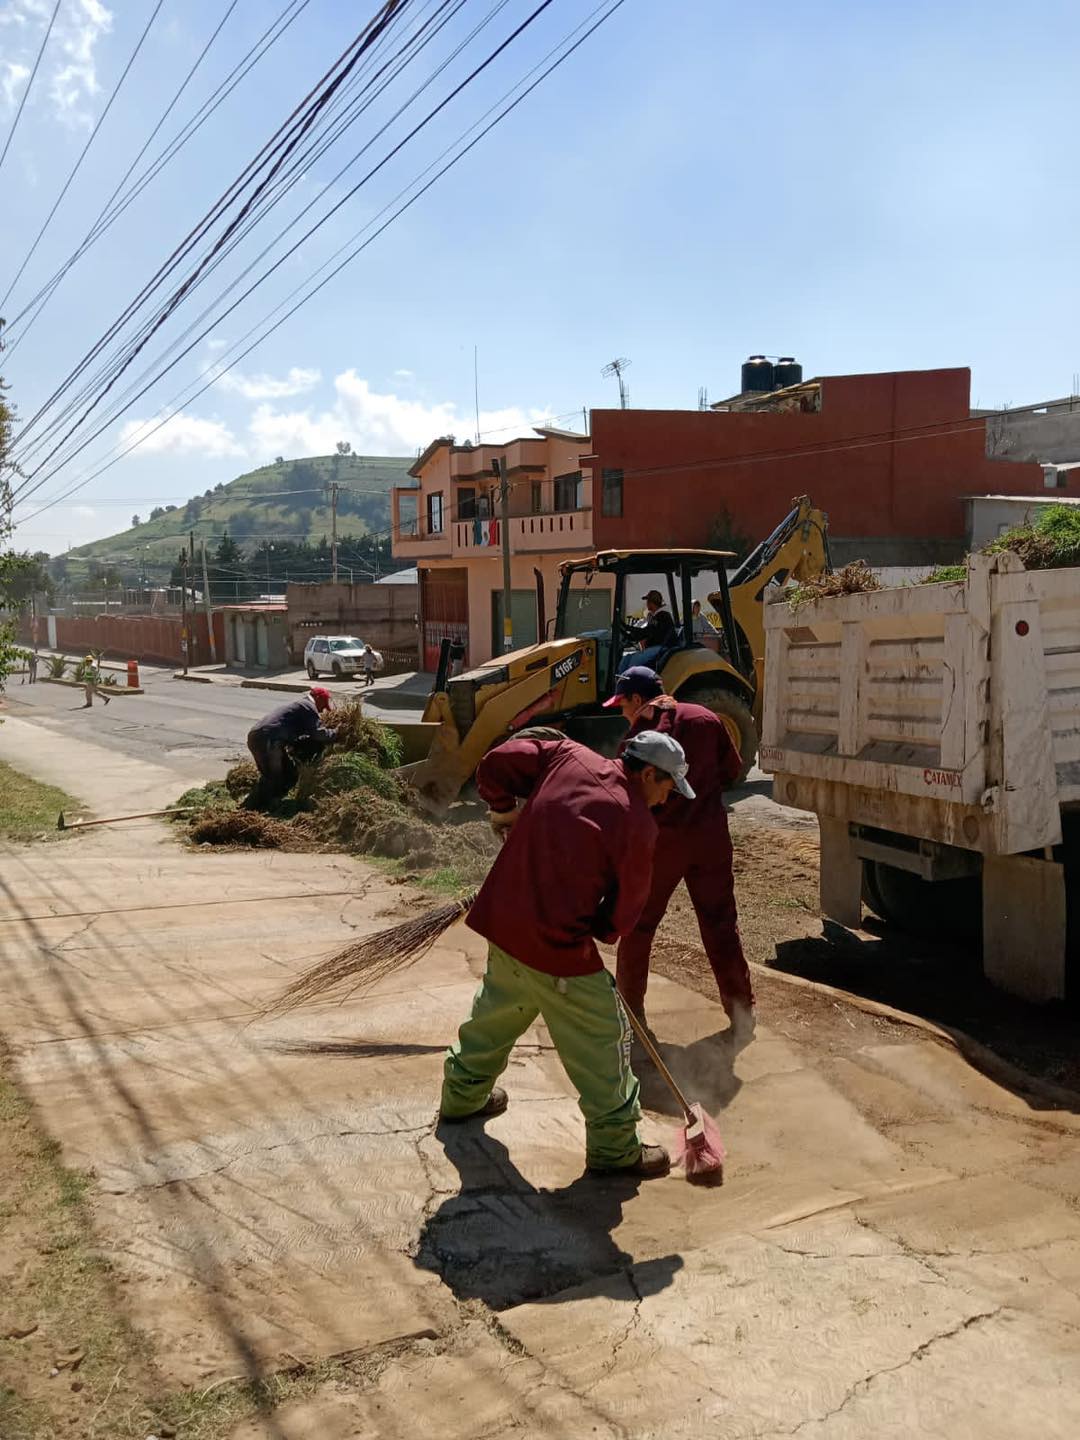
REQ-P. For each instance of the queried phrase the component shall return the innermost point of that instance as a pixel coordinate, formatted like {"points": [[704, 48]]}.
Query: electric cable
{"points": [[82, 156], [29, 84], [478, 70]]}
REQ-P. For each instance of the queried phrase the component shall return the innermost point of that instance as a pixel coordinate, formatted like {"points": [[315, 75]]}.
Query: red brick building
{"points": [[888, 456]]}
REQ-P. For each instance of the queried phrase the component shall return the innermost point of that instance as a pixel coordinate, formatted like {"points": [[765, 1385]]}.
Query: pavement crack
{"points": [[302, 1140], [862, 1385]]}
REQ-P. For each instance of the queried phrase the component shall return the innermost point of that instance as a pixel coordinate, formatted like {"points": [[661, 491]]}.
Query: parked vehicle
{"points": [[337, 655], [935, 731]]}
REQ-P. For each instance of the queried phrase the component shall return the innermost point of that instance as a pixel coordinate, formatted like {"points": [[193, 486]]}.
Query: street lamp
{"points": [[269, 552]]}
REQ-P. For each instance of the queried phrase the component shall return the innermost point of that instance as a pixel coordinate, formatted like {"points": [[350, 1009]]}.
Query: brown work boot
{"points": [[652, 1162], [495, 1104]]}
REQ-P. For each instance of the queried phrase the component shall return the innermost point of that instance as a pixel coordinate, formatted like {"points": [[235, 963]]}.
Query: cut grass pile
{"points": [[854, 579], [349, 801]]}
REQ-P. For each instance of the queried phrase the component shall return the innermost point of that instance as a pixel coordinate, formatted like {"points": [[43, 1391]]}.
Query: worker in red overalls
{"points": [[693, 844]]}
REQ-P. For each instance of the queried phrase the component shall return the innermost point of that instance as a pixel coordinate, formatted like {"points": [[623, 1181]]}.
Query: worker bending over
{"points": [[293, 725], [574, 869], [693, 844]]}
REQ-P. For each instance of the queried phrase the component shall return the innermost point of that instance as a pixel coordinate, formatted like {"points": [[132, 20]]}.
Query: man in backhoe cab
{"points": [[693, 844], [574, 869], [656, 633]]}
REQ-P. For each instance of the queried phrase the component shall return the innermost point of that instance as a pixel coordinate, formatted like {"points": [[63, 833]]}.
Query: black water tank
{"points": [[757, 375], [787, 371]]}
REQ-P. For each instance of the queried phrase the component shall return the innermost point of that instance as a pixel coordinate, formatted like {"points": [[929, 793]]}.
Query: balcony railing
{"points": [[550, 530]]}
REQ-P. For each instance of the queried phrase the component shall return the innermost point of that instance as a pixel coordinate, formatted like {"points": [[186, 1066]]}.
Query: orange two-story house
{"points": [[448, 524]]}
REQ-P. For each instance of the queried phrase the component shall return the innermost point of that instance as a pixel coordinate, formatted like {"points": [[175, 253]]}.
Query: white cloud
{"points": [[183, 435], [215, 343], [69, 68], [404, 375], [84, 512], [266, 387], [375, 423], [12, 81]]}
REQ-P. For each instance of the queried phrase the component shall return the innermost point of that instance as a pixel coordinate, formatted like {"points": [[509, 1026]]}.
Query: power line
{"points": [[211, 262], [29, 85], [272, 153], [285, 183], [97, 228], [85, 149], [29, 488], [219, 371]]}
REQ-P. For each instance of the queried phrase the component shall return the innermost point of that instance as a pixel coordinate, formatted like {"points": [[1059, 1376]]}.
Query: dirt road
{"points": [[895, 1250]]}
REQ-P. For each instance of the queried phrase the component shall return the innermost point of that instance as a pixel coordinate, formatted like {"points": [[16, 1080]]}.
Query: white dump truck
{"points": [[935, 732]]}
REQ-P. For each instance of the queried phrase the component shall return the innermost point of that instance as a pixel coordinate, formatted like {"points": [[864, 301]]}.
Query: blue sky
{"points": [[867, 186]]}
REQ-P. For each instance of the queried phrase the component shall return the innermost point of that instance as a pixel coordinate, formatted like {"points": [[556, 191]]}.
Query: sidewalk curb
{"points": [[288, 686], [979, 1056], [113, 690]]}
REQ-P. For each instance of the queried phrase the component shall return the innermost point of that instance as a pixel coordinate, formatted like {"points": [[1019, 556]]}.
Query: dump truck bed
{"points": [[948, 711]]}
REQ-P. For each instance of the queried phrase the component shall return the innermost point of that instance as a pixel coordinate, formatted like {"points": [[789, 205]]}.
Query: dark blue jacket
{"points": [[294, 721]]}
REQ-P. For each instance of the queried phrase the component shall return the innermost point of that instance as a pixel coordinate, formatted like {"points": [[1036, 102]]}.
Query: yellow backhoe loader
{"points": [[563, 680]]}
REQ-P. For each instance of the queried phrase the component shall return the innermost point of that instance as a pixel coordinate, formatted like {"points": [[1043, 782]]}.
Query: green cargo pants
{"points": [[589, 1032]]}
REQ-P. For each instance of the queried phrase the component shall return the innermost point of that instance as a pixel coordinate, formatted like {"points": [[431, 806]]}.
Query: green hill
{"points": [[285, 501]]}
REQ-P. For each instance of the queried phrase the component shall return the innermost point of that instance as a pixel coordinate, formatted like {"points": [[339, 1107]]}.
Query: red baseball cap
{"points": [[321, 696]]}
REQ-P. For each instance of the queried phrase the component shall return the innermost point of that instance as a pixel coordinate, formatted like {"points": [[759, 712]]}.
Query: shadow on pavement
{"points": [[503, 1241], [704, 1071], [945, 984]]}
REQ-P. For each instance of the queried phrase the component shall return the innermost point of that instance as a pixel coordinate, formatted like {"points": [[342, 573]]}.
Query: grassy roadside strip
{"points": [[29, 809]]}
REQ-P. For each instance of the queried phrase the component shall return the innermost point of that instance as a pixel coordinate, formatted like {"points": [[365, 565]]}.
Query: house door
{"points": [[444, 605]]}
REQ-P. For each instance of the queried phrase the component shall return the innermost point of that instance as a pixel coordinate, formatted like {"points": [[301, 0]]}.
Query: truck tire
{"points": [[734, 713], [939, 910]]}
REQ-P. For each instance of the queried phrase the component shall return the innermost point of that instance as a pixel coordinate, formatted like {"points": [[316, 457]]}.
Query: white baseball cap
{"points": [[661, 751]]}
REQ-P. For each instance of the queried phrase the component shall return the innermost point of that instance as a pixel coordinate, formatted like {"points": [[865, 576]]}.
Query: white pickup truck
{"points": [[935, 731]]}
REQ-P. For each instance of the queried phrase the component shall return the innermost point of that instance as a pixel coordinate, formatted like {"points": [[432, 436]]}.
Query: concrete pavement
{"points": [[895, 1250]]}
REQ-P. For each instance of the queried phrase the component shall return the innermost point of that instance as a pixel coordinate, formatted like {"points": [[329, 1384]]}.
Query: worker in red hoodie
{"points": [[693, 844], [574, 869]]}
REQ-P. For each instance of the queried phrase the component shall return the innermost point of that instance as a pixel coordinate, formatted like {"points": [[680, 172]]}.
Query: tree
{"points": [[136, 521], [344, 448], [156, 513], [227, 552], [23, 575]]}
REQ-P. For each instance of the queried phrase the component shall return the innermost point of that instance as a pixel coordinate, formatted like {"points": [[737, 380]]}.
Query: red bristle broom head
{"points": [[699, 1148]]}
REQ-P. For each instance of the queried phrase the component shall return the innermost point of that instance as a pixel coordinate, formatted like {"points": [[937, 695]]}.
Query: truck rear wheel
{"points": [[734, 714], [938, 910]]}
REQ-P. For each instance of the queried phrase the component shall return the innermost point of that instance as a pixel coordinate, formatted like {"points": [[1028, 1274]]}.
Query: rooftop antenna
{"points": [[702, 398], [616, 368]]}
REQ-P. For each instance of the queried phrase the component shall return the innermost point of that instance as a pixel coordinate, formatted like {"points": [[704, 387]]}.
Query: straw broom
{"points": [[699, 1147], [371, 959]]}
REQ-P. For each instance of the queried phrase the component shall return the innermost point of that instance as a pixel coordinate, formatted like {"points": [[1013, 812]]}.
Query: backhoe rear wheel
{"points": [[734, 714]]}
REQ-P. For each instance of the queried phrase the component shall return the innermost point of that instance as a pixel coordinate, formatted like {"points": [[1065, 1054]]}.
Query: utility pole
{"points": [[504, 526], [208, 607], [183, 609], [333, 530]]}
